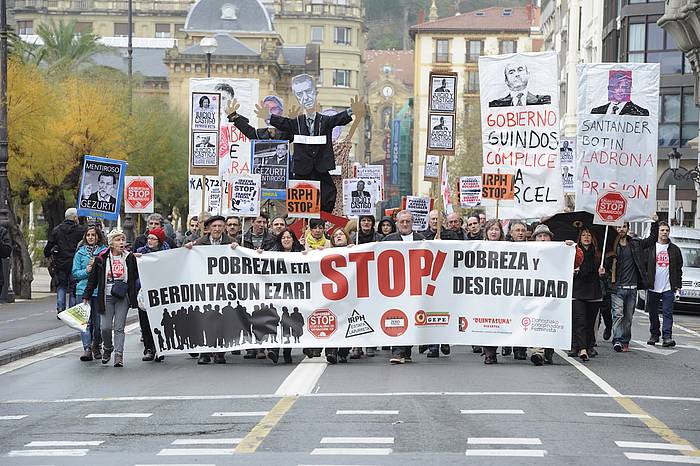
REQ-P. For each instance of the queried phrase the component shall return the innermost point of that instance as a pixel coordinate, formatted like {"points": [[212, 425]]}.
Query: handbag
{"points": [[119, 287]]}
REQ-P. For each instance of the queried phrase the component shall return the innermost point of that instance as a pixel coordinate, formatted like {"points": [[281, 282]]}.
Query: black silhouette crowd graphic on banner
{"points": [[225, 327]]}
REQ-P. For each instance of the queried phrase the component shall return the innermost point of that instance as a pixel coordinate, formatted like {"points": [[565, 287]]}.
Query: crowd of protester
{"points": [[605, 283]]}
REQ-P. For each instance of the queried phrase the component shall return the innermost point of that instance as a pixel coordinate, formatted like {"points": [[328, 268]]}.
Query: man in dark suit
{"points": [[442, 88], [313, 159], [105, 183], [441, 125], [360, 190], [404, 232], [204, 142], [619, 96], [517, 78]]}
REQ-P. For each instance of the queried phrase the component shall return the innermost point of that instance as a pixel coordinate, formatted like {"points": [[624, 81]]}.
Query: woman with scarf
{"points": [[92, 244], [114, 275], [587, 297], [315, 237], [386, 226], [155, 241]]}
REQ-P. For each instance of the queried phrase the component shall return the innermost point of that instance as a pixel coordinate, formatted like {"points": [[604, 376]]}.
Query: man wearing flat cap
{"points": [[216, 236], [619, 96]]}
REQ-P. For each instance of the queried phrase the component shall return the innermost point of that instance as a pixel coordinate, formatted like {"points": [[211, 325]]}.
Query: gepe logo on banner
{"points": [[432, 318]]}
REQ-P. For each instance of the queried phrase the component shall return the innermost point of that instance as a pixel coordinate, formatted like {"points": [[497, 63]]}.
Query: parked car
{"points": [[688, 240]]}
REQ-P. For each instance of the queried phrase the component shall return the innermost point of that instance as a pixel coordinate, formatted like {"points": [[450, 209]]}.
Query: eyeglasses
{"points": [[155, 238]]}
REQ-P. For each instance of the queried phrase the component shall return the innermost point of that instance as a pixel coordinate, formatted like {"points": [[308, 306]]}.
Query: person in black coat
{"points": [[5, 252], [587, 297], [154, 221], [61, 246], [404, 223]]}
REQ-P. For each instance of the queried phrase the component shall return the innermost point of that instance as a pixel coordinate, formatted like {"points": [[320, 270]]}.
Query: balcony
{"points": [[330, 8], [103, 5]]}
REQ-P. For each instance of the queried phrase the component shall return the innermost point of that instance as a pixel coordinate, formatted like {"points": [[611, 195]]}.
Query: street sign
{"points": [[322, 323], [138, 194], [610, 209]]}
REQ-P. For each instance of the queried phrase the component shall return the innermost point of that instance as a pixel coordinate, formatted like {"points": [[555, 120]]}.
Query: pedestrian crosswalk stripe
{"points": [[492, 411], [175, 464], [196, 451], [503, 441], [485, 452], [118, 415], [64, 443], [366, 411], [663, 458], [357, 440], [352, 451], [15, 417], [206, 441], [654, 446], [61, 452], [240, 414], [627, 415]]}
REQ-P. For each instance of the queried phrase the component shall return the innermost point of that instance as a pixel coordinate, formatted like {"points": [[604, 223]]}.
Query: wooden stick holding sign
{"points": [[440, 206]]}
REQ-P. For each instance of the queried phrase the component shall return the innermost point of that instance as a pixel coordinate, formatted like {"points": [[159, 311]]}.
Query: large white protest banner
{"points": [[617, 139], [214, 298], [233, 147], [520, 130]]}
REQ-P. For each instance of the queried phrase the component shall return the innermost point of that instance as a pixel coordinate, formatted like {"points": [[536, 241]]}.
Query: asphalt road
{"points": [[641, 407]]}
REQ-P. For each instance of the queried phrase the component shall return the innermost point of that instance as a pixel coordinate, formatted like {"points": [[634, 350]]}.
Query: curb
{"points": [[44, 344]]}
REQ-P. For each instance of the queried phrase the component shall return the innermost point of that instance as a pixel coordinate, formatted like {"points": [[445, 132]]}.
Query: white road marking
{"points": [[240, 414], [303, 378], [652, 445], [196, 452], [334, 465], [206, 441], [116, 415], [352, 451], [592, 376], [642, 346], [175, 464], [366, 411], [688, 347], [65, 443], [678, 326], [492, 411], [15, 417], [357, 440], [663, 458], [13, 366], [503, 441], [272, 396], [626, 415], [62, 452], [530, 453]]}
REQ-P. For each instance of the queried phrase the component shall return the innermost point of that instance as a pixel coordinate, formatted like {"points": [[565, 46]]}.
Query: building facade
{"points": [[630, 34], [454, 44]]}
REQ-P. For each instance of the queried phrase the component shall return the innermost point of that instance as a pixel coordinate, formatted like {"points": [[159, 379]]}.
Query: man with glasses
{"points": [[233, 228]]}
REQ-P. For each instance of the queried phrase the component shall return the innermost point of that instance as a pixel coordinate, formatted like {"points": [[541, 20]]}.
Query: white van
{"points": [[688, 240]]}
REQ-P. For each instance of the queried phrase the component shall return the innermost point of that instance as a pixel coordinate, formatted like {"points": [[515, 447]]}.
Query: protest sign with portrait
{"points": [[520, 130], [431, 170], [360, 196], [441, 134], [205, 111], [101, 185], [443, 94], [270, 159]]}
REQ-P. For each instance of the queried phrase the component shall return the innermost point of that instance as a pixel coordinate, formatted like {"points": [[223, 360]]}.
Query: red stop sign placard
{"points": [[322, 323], [611, 206], [138, 193]]}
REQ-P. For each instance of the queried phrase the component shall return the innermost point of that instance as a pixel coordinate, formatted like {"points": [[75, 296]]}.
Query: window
{"points": [[179, 27], [341, 78], [442, 51], [121, 29], [319, 83], [162, 30], [678, 118], [508, 46], [474, 50], [317, 34], [25, 27], [342, 36], [83, 28], [472, 82], [648, 43]]}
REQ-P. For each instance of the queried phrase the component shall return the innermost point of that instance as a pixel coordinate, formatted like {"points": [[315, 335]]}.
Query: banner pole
{"points": [[204, 197], [605, 245], [440, 201]]}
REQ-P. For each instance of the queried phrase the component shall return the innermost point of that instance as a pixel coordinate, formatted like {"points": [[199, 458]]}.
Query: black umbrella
{"points": [[568, 225]]}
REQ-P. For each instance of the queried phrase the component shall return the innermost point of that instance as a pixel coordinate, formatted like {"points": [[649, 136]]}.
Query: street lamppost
{"points": [[208, 46], [681, 19], [7, 295]]}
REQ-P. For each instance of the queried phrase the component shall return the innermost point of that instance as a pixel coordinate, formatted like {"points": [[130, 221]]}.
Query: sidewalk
{"points": [[28, 327]]}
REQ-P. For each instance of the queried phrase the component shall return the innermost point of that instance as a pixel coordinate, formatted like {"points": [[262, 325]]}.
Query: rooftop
{"points": [[486, 19]]}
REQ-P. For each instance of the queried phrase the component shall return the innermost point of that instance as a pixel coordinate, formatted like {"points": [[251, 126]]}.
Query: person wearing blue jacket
{"points": [[90, 246]]}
